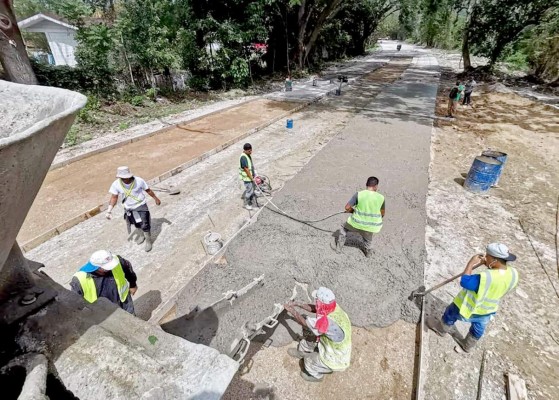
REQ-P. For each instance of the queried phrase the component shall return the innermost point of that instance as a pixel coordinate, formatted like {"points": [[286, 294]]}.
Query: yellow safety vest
{"points": [[337, 355], [90, 291], [242, 173], [366, 214], [493, 285], [128, 192]]}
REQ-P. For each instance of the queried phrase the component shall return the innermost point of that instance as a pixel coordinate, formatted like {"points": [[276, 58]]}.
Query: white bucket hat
{"points": [[123, 172]]}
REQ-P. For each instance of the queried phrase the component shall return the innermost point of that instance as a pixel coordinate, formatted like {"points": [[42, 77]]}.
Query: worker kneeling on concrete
{"points": [[367, 212], [332, 329], [136, 211], [109, 276], [481, 293]]}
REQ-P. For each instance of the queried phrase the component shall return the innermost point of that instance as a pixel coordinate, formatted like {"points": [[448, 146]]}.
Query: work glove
{"points": [[109, 214]]}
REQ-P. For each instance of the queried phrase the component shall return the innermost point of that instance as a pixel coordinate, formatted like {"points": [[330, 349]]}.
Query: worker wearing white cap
{"points": [[109, 276], [136, 211], [480, 296], [332, 329]]}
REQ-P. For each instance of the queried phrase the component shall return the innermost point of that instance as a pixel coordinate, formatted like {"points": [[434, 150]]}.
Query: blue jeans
{"points": [[479, 322]]}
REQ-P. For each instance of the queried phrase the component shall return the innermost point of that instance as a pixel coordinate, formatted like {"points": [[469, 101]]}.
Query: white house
{"points": [[60, 36]]}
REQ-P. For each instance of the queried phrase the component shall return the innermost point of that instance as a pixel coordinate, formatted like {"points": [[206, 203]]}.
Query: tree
{"points": [[13, 55], [497, 23]]}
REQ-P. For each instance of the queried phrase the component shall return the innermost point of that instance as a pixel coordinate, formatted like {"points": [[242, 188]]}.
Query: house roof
{"points": [[35, 19]]}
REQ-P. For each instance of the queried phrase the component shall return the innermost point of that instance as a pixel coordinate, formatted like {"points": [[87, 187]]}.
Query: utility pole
{"points": [[13, 55]]}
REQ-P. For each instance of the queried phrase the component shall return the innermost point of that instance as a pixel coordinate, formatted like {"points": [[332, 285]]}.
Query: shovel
{"points": [[421, 292], [172, 192]]}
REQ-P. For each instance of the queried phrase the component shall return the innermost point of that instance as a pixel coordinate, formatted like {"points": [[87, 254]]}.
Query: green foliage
{"points": [[87, 114], [151, 94], [137, 101], [123, 125], [71, 138]]}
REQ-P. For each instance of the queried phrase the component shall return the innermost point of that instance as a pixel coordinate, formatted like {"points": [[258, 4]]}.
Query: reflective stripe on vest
{"points": [[90, 291], [128, 192], [242, 173], [493, 285], [366, 214], [337, 355]]}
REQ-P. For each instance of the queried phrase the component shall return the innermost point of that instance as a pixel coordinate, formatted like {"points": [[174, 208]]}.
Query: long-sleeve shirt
{"points": [[106, 286]]}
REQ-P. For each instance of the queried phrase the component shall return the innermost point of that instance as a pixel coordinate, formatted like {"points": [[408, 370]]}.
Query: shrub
{"points": [[151, 94], [137, 101]]}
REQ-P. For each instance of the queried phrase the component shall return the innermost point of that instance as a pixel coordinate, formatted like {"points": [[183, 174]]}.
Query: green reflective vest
{"points": [[242, 173], [493, 285], [90, 291], [337, 355], [366, 214]]}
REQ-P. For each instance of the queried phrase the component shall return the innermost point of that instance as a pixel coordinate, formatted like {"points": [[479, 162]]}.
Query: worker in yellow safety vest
{"points": [[331, 351], [480, 296], [367, 213], [247, 174], [109, 276]]}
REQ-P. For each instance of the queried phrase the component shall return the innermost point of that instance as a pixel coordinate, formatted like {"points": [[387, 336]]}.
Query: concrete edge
{"points": [[116, 145], [45, 236]]}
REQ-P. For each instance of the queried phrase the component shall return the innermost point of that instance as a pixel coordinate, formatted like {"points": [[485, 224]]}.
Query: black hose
{"points": [[298, 220]]}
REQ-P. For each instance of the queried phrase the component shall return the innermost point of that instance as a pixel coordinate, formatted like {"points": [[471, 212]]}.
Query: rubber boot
{"points": [[368, 253], [466, 345], [340, 244], [140, 238], [438, 326], [147, 236]]}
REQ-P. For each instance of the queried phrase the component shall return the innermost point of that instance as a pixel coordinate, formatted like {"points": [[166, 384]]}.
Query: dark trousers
{"points": [[466, 101], [143, 213]]}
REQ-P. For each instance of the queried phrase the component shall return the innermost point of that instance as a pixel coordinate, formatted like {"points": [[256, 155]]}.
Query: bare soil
{"points": [[83, 185], [522, 338]]}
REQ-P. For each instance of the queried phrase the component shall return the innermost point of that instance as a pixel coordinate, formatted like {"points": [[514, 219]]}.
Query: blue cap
{"points": [[89, 267], [101, 259]]}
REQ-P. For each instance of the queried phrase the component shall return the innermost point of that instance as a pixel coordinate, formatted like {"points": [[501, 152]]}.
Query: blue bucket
{"points": [[502, 157], [482, 174], [289, 124]]}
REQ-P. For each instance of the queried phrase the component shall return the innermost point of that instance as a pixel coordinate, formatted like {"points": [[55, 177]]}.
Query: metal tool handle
{"points": [[272, 323], [445, 282], [242, 350]]}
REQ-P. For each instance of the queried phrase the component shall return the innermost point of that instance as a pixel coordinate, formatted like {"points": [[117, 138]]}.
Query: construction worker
{"points": [[136, 211], [332, 329], [246, 173], [109, 276], [367, 211], [481, 293]]}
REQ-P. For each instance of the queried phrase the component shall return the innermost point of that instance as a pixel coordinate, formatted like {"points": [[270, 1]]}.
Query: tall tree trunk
{"points": [[13, 55], [466, 49], [303, 16], [329, 11]]}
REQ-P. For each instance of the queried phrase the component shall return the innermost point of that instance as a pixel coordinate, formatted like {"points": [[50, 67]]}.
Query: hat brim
{"points": [[124, 176], [511, 257], [89, 268]]}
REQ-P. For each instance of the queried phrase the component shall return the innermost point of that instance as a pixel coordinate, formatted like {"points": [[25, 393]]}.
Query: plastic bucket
{"points": [[498, 155], [482, 174], [289, 124], [213, 243]]}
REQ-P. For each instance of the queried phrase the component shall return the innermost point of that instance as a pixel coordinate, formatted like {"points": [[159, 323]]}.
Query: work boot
{"points": [[247, 207], [310, 378], [368, 253], [296, 353], [438, 326], [466, 345], [147, 236], [339, 244], [140, 236]]}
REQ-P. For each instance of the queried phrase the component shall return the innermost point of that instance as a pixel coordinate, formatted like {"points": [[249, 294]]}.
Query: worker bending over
{"points": [[136, 211], [246, 173], [332, 329], [109, 276], [480, 295], [367, 211]]}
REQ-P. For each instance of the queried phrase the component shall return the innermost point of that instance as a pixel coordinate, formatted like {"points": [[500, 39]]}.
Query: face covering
{"points": [[322, 311]]}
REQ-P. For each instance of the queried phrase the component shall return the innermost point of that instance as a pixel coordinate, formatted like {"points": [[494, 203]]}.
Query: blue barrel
{"points": [[482, 174], [289, 124], [498, 155]]}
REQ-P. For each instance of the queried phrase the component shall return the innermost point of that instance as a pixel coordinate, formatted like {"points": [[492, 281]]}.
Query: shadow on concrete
{"points": [[197, 327], [459, 181], [146, 303], [157, 227], [435, 308]]}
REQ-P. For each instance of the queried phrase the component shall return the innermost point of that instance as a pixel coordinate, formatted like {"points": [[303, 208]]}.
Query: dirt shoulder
{"points": [[522, 339]]}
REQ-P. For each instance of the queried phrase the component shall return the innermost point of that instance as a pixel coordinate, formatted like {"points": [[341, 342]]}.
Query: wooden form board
{"points": [[516, 388]]}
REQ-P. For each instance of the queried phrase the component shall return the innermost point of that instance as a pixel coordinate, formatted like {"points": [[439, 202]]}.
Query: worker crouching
{"points": [[331, 351], [109, 276], [480, 296]]}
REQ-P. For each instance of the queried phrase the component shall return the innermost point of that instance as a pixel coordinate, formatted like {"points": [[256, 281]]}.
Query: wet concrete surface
{"points": [[83, 185], [373, 291]]}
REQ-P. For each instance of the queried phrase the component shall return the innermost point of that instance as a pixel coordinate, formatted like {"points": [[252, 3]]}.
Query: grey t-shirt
{"points": [[334, 332]]}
